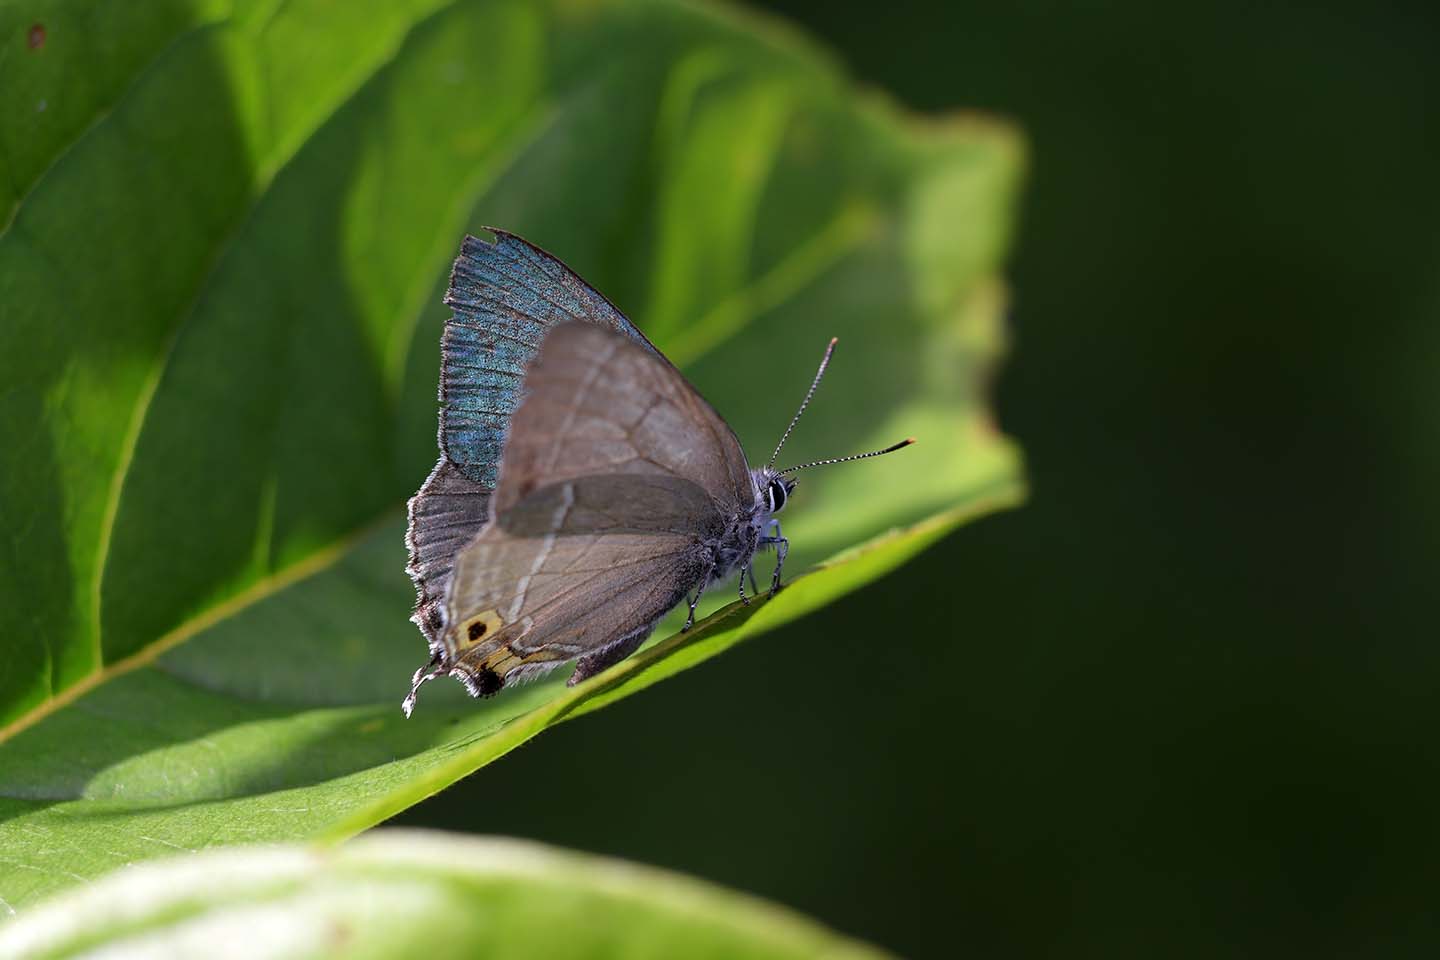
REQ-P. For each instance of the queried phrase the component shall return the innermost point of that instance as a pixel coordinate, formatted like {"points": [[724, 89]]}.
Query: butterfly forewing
{"points": [[598, 404], [617, 482], [506, 297]]}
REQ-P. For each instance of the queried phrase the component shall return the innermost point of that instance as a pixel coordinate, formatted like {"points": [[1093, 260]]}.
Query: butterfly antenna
{"points": [[854, 456], [824, 362]]}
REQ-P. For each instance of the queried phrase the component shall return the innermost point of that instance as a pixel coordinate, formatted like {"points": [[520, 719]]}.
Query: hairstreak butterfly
{"points": [[584, 488]]}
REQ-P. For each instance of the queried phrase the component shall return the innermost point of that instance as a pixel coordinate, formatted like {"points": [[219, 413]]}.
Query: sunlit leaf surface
{"points": [[222, 248]]}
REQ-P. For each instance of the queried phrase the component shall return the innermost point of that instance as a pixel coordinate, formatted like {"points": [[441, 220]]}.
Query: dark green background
{"points": [[1184, 702]]}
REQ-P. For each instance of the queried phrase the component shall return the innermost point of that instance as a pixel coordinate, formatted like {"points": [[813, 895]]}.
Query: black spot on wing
{"points": [[489, 682]]}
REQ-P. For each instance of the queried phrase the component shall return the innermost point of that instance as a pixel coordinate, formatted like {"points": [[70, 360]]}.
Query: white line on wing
{"points": [[557, 520]]}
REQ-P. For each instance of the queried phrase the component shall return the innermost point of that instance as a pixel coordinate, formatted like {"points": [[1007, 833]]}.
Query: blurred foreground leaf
{"points": [[220, 275], [408, 894]]}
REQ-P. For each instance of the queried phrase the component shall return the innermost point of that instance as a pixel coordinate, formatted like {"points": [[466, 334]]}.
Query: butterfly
{"points": [[584, 487]]}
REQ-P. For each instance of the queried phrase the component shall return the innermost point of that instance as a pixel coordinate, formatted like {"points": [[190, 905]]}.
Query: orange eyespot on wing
{"points": [[477, 628]]}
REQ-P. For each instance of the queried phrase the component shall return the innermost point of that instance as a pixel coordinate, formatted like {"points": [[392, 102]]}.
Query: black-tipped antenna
{"points": [[854, 456], [824, 362]]}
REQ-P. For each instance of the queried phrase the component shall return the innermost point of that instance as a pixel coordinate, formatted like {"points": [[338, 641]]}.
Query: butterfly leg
{"points": [[699, 592], [690, 620], [782, 548], [754, 587]]}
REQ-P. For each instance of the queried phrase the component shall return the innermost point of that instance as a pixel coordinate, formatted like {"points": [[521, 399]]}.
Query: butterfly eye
{"points": [[776, 494]]}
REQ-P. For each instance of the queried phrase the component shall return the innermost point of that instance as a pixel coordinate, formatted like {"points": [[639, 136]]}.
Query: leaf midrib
{"points": [[576, 701], [266, 586]]}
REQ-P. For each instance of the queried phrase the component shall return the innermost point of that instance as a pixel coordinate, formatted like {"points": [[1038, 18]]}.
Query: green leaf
{"points": [[220, 279], [404, 893]]}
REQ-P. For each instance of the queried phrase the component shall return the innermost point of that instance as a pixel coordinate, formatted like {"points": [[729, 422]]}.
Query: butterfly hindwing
{"points": [[570, 572], [619, 481], [447, 512]]}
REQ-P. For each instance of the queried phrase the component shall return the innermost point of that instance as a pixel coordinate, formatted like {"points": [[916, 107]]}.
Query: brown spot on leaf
{"points": [[35, 39]]}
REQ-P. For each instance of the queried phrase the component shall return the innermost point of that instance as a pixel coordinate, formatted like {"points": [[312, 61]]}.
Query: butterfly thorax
{"points": [[743, 532], [735, 547]]}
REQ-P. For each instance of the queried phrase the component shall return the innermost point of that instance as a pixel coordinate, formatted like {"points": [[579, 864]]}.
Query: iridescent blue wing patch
{"points": [[505, 296]]}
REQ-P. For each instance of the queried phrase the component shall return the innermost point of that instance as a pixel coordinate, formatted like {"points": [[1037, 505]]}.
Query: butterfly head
{"points": [[775, 490]]}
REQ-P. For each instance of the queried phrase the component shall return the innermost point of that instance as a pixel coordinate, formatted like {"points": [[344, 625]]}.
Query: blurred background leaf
{"points": [[221, 271], [389, 895]]}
